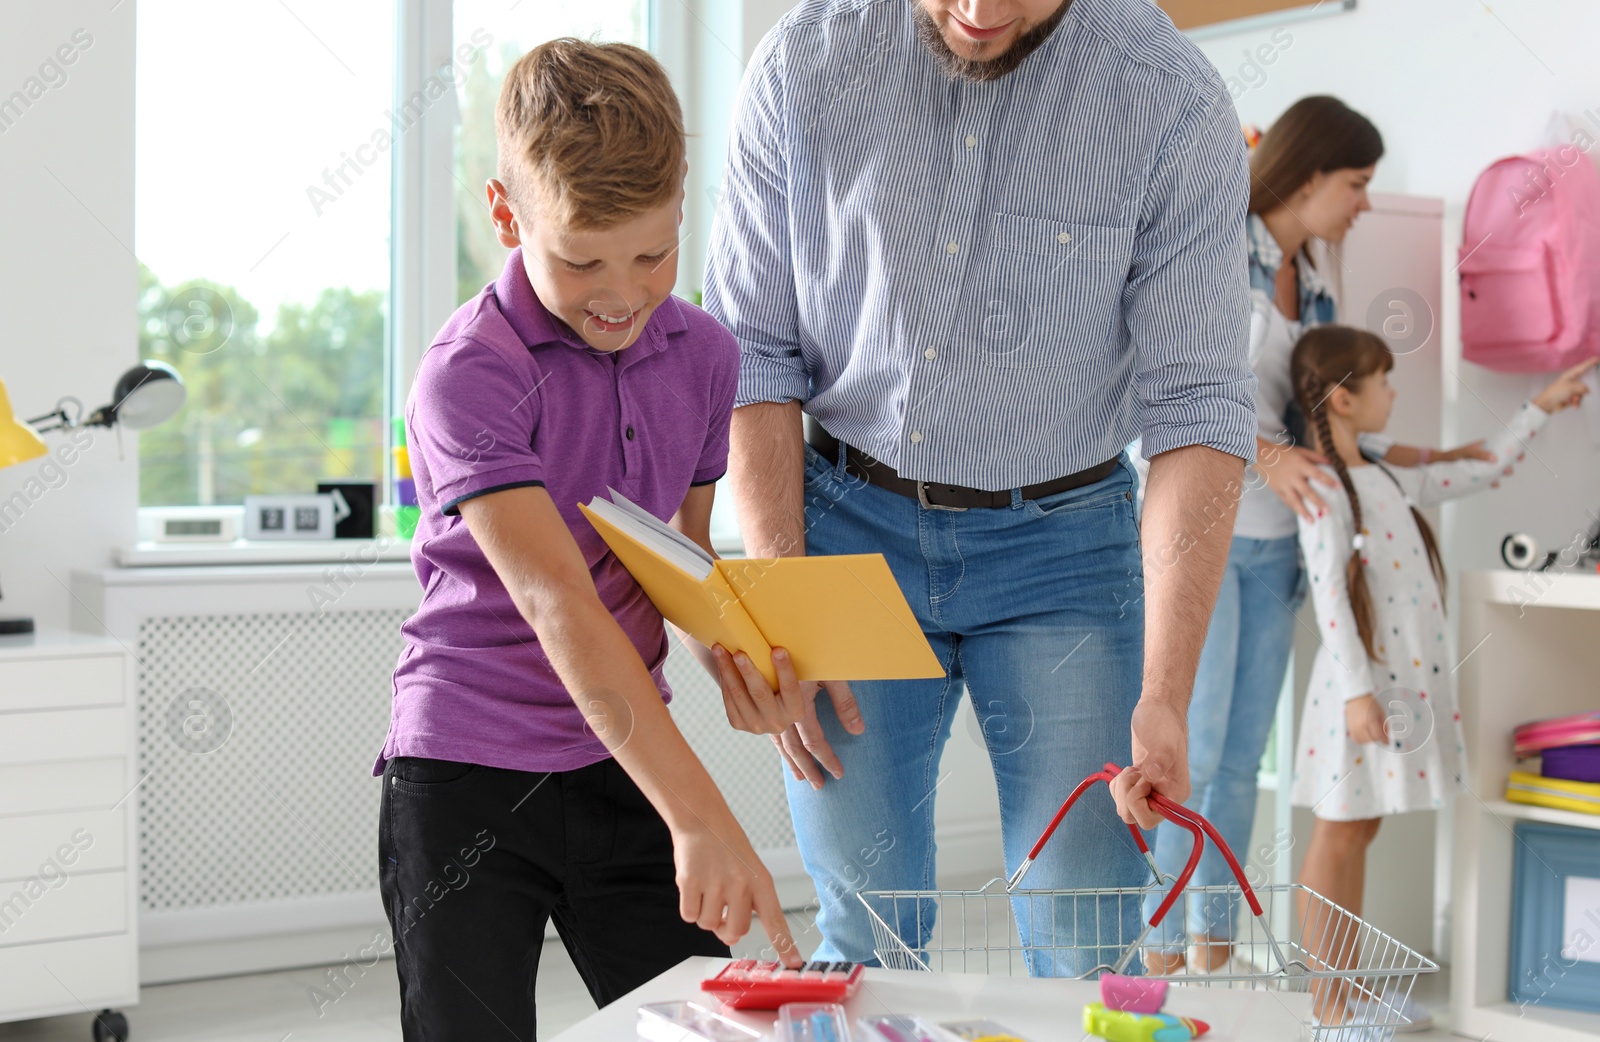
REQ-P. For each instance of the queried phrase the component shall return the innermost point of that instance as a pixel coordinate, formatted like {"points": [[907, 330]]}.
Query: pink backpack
{"points": [[1530, 263]]}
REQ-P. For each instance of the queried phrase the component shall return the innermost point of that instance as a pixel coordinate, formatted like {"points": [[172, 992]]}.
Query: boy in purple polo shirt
{"points": [[531, 768]]}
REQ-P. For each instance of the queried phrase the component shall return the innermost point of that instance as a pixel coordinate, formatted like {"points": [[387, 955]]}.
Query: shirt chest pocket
{"points": [[1050, 292]]}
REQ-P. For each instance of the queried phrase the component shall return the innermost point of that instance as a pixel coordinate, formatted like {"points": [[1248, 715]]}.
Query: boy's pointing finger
{"points": [[777, 927]]}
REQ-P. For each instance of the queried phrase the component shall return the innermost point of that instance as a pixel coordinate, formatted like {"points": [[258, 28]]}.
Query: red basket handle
{"points": [[1179, 815]]}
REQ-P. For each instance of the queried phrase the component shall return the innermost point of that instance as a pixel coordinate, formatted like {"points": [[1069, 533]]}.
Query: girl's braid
{"points": [[1355, 572]]}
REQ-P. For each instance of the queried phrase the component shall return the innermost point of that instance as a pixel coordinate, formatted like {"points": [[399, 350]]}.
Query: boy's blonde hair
{"points": [[591, 131]]}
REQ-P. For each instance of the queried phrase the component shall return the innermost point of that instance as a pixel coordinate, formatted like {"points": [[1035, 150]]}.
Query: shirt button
{"points": [[916, 436], [930, 354], [951, 247], [630, 433], [972, 140], [1063, 238]]}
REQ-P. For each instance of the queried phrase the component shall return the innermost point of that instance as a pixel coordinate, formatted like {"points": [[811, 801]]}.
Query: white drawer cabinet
{"points": [[68, 840], [75, 840], [60, 683]]}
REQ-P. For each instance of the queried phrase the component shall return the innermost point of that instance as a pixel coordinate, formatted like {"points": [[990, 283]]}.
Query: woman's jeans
{"points": [[1037, 610], [1235, 700]]}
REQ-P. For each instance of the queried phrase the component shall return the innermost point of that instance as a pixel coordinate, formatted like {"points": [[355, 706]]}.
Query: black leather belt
{"points": [[946, 497]]}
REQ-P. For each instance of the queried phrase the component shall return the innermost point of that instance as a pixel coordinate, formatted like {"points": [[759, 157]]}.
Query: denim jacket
{"points": [[1266, 257], [1316, 299]]}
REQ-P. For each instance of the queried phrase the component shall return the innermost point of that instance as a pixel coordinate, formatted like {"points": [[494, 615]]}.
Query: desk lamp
{"points": [[149, 393]]}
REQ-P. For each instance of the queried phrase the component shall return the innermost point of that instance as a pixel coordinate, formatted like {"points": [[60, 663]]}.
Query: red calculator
{"points": [[748, 984]]}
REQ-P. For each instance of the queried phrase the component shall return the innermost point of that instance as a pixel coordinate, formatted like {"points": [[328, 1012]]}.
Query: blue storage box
{"points": [[1555, 917]]}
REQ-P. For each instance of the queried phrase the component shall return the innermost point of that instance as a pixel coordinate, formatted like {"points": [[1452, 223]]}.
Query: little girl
{"points": [[1381, 733]]}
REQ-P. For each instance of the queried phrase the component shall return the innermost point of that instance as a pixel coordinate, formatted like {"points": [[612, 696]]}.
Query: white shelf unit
{"points": [[68, 842], [1548, 815], [1528, 641]]}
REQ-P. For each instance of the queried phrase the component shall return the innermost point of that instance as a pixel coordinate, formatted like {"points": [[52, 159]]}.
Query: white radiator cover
{"points": [[274, 832], [284, 809]]}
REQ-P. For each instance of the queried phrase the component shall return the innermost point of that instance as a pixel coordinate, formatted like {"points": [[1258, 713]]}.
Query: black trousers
{"points": [[475, 860]]}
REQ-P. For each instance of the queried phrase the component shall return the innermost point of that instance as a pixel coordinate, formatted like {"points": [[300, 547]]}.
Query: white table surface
{"points": [[1040, 1010]]}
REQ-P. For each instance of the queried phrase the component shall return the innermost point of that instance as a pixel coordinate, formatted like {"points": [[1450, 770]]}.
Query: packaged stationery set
{"points": [[809, 1001]]}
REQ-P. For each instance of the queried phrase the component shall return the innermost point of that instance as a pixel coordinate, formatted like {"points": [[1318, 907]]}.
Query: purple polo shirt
{"points": [[510, 396]]}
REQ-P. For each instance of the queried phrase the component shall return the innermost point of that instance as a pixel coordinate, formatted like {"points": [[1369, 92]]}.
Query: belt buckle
{"points": [[922, 497]]}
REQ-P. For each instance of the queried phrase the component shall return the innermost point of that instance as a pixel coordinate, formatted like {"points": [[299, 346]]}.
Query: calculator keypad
{"points": [[749, 984]]}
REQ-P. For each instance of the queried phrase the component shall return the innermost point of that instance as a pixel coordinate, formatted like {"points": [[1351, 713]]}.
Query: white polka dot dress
{"points": [[1338, 778]]}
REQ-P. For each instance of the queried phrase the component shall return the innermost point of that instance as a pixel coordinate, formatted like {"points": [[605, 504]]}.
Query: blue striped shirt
{"points": [[988, 284]]}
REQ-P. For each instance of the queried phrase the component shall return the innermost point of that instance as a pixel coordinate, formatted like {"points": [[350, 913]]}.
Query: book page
{"points": [[654, 533]]}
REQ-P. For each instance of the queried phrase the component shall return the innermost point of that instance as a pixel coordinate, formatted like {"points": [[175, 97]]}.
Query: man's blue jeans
{"points": [[1038, 611], [1235, 699]]}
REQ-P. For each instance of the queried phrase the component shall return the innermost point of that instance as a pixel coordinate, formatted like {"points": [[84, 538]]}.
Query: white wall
{"points": [[67, 289], [1454, 86]]}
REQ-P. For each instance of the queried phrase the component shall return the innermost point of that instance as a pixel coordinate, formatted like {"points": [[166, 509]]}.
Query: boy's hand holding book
{"points": [[788, 715], [751, 703], [804, 748]]}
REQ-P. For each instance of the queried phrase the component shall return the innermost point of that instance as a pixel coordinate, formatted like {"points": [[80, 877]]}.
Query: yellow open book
{"points": [[840, 617]]}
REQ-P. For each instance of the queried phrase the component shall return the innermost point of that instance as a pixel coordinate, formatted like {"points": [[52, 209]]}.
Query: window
{"points": [[262, 194], [282, 200]]}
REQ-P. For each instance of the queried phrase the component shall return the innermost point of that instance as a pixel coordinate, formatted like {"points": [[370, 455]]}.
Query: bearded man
{"points": [[971, 249]]}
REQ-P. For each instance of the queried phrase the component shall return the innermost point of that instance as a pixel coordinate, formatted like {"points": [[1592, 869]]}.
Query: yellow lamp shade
{"points": [[18, 442]]}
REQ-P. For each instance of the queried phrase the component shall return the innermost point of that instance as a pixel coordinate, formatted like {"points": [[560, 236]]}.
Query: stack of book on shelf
{"points": [[1568, 748]]}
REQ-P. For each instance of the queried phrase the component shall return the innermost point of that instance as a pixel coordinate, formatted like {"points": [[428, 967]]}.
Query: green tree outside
{"points": [[267, 413]]}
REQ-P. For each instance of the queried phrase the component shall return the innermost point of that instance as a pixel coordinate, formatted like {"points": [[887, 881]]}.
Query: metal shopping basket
{"points": [[1293, 940]]}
